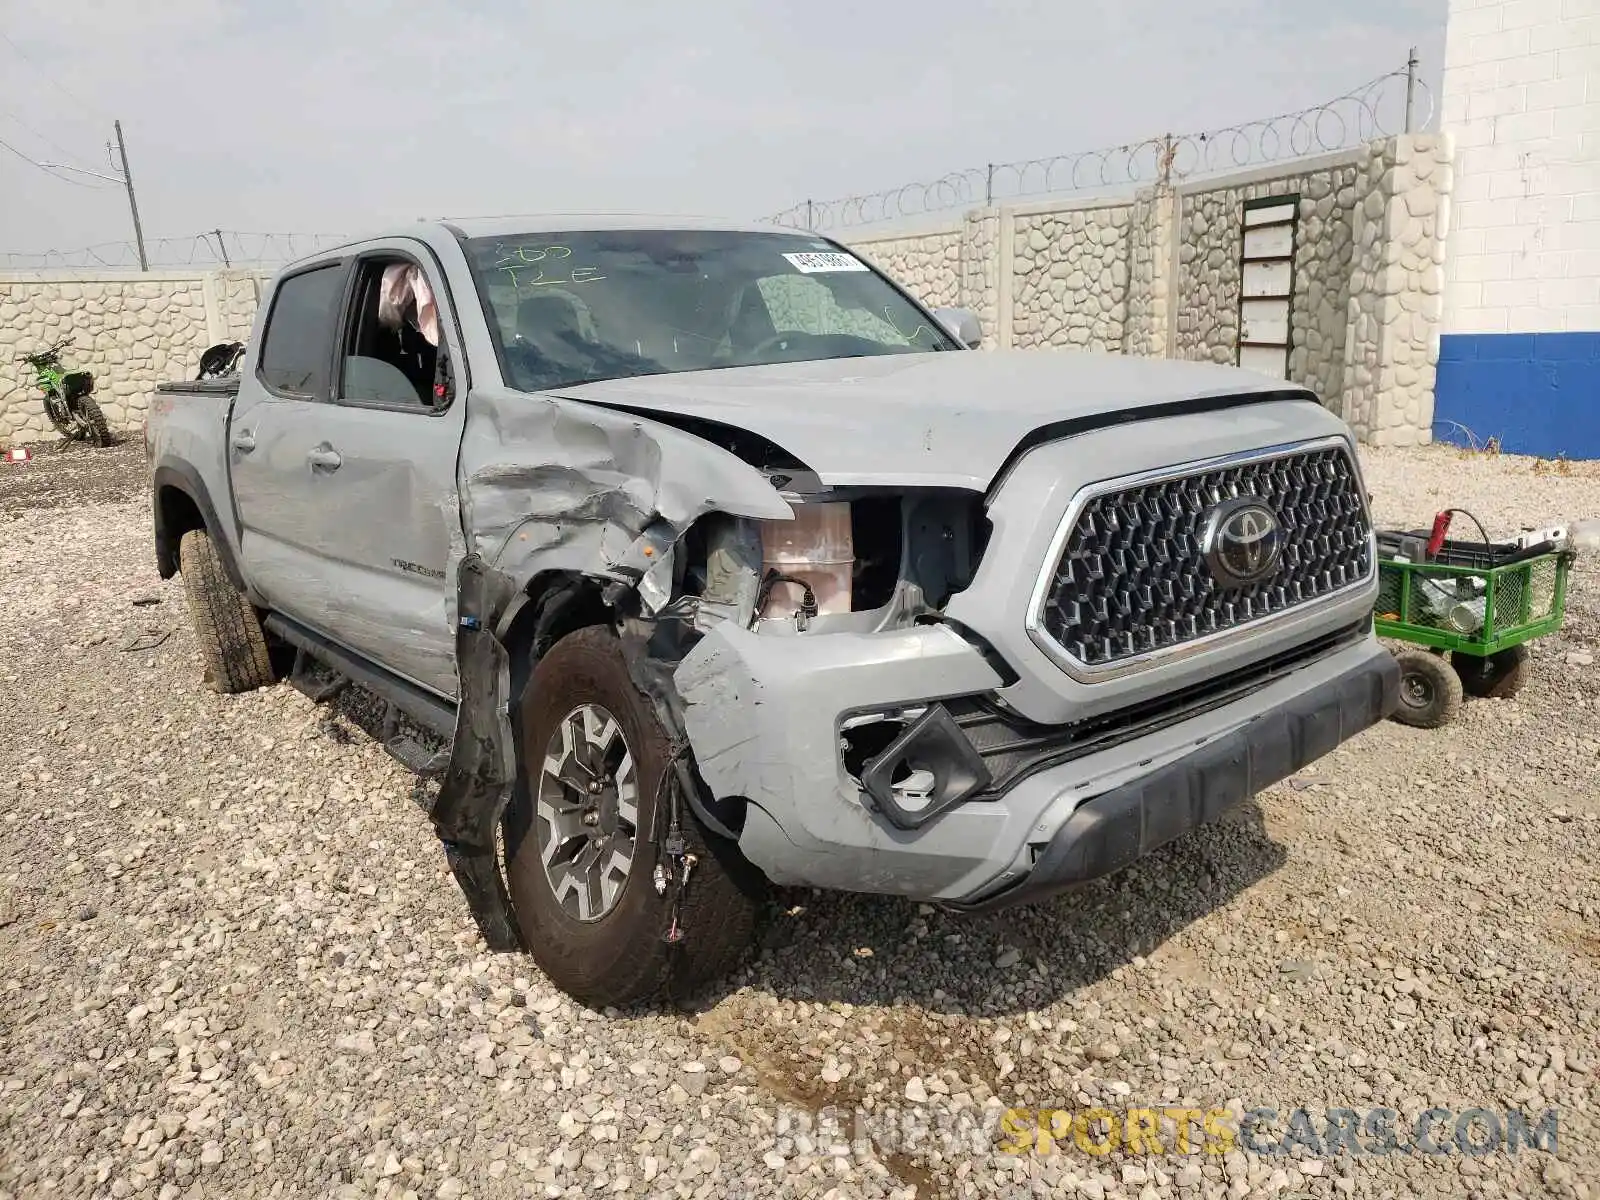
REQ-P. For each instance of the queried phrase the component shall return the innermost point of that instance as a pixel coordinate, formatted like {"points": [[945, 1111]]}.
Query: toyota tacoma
{"points": [[696, 558]]}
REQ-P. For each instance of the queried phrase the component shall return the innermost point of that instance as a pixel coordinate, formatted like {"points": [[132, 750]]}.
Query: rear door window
{"points": [[298, 341]]}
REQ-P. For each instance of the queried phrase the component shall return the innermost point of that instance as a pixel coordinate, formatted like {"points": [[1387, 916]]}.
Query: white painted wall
{"points": [[1521, 99]]}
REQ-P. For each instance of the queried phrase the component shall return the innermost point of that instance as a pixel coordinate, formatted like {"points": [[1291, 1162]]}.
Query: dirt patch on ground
{"points": [[71, 475]]}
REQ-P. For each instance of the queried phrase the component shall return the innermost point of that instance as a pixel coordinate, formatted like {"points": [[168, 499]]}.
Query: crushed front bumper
{"points": [[763, 716], [1107, 833]]}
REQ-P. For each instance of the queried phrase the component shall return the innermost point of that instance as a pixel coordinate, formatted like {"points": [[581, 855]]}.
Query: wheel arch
{"points": [[182, 503], [552, 604]]}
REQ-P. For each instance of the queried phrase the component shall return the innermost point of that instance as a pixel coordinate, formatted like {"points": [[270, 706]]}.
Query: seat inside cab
{"points": [[391, 352]]}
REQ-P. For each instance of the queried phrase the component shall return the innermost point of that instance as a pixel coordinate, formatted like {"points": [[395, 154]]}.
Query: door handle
{"points": [[244, 441], [324, 458]]}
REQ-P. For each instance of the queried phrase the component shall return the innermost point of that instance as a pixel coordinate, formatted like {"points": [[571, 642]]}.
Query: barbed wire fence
{"points": [[218, 248], [1379, 108]]}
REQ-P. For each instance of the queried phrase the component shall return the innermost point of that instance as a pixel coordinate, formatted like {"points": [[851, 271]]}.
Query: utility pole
{"points": [[1411, 85], [127, 178]]}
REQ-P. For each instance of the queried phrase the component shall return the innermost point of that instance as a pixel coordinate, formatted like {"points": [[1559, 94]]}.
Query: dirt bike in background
{"points": [[67, 397]]}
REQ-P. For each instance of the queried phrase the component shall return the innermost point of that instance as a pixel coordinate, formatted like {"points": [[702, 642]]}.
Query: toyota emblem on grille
{"points": [[1241, 542]]}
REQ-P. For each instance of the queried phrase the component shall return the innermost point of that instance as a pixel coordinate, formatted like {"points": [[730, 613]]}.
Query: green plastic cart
{"points": [[1469, 609]]}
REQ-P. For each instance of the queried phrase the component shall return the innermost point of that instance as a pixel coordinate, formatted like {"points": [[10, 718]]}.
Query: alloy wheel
{"points": [[587, 812]]}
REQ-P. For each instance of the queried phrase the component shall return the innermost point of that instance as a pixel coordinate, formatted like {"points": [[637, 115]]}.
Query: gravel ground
{"points": [[232, 962]]}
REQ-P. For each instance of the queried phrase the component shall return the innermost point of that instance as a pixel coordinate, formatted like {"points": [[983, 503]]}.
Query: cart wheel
{"points": [[1497, 676], [1430, 690]]}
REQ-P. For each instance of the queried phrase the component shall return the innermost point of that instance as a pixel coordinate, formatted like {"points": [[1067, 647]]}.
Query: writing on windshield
{"points": [[543, 266]]}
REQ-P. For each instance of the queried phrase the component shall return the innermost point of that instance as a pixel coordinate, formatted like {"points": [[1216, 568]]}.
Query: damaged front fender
{"points": [[483, 766], [549, 484], [555, 486]]}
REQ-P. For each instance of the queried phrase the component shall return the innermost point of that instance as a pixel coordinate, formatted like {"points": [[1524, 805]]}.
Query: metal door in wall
{"points": [[1266, 288]]}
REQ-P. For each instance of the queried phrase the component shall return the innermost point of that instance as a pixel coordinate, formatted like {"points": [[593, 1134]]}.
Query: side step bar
{"points": [[322, 669]]}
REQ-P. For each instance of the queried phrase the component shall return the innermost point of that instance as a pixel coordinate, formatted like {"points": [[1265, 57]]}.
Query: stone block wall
{"points": [[985, 288], [1210, 234], [1396, 289], [1070, 278], [1151, 239], [1159, 274], [927, 265], [238, 296], [1156, 273], [132, 331]]}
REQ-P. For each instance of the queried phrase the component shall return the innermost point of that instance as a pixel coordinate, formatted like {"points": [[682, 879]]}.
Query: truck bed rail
{"points": [[201, 387]]}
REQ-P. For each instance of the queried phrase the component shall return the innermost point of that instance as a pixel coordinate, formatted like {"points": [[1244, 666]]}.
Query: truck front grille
{"points": [[1132, 579]]}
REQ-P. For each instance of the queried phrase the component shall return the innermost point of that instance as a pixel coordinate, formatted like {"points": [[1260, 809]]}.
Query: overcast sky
{"points": [[289, 115]]}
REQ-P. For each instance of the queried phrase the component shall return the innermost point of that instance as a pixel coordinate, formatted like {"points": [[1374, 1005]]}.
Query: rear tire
{"points": [[1430, 690], [232, 642], [93, 422], [606, 945], [1497, 676]]}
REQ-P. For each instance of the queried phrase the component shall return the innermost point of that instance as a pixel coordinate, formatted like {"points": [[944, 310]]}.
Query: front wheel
{"points": [[584, 839], [61, 419], [1430, 690]]}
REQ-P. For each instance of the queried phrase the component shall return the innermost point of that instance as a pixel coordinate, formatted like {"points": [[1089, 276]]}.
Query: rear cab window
{"points": [[297, 343]]}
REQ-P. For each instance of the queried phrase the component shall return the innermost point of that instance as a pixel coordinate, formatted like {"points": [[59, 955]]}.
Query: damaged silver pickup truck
{"points": [[696, 558]]}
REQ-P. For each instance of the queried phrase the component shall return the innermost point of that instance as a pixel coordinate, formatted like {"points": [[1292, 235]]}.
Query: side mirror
{"points": [[961, 324]]}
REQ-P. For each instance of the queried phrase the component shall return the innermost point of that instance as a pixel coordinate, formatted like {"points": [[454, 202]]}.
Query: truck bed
{"points": [[186, 437]]}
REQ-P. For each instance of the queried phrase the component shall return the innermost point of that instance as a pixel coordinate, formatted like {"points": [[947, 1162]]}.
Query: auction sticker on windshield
{"points": [[816, 264]]}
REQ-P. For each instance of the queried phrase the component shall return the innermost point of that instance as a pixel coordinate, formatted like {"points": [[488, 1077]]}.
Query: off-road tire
{"points": [[66, 427], [1495, 677], [229, 632], [621, 958], [1430, 690], [93, 422]]}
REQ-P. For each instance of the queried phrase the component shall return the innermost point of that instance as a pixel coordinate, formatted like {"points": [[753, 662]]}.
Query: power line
{"points": [[48, 168], [85, 171], [50, 77], [43, 137], [210, 249]]}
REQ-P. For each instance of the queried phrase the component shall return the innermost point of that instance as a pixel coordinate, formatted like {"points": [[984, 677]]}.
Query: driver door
{"points": [[390, 500], [347, 495]]}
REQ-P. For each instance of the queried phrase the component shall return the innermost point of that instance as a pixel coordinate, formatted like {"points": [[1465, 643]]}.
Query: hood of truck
{"points": [[948, 419]]}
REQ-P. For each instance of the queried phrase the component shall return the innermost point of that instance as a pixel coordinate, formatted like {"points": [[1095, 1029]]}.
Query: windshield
{"points": [[569, 308]]}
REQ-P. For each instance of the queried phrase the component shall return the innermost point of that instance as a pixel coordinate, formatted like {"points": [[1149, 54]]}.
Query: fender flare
{"points": [[181, 477]]}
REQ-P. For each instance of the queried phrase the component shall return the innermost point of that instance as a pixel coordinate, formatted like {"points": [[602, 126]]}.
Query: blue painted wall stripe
{"points": [[1538, 393]]}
